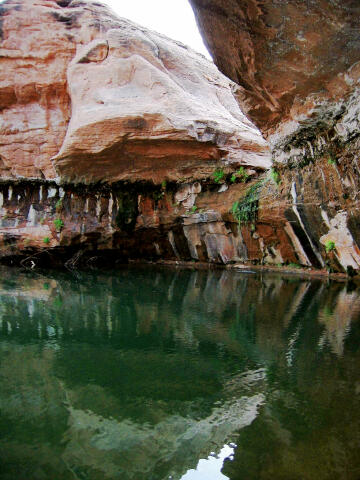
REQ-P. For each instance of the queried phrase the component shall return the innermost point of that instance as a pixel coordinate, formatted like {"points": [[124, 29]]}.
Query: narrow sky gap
{"points": [[174, 18]]}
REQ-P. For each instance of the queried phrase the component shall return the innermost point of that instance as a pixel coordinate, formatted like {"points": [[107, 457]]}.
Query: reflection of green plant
{"points": [[58, 302], [218, 175], [58, 223], [246, 209], [275, 175], [46, 240], [329, 246]]}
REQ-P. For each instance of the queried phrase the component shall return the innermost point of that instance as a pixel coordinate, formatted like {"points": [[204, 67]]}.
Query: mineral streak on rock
{"points": [[87, 96]]}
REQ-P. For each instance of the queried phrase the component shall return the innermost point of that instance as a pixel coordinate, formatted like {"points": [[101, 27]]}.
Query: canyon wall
{"points": [[118, 144], [298, 71]]}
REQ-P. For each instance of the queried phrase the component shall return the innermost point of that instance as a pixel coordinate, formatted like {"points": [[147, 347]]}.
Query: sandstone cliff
{"points": [[118, 143], [87, 97], [297, 64]]}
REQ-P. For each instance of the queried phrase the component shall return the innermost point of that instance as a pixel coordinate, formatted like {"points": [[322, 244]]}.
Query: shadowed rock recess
{"points": [[118, 144]]}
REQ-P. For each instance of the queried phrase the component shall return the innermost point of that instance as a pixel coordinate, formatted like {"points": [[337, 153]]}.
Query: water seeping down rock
{"points": [[118, 143]]}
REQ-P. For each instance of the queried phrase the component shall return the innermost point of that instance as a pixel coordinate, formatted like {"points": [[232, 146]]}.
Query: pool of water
{"points": [[158, 374]]}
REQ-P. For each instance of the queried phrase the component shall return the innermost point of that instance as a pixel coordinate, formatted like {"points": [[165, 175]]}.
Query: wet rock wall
{"points": [[305, 216]]}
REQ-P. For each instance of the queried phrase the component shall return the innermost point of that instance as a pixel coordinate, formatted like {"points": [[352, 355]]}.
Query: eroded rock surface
{"points": [[87, 96], [297, 64]]}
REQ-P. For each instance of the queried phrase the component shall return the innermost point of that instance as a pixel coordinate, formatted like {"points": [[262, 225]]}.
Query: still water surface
{"points": [[149, 374]]}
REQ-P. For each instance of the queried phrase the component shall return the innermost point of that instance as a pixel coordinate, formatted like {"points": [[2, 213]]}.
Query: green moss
{"points": [[46, 240]]}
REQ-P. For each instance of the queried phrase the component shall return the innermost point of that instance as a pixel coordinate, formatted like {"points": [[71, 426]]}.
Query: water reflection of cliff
{"points": [[139, 374]]}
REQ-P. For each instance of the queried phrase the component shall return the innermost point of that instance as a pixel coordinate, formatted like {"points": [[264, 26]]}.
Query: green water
{"points": [[150, 374]]}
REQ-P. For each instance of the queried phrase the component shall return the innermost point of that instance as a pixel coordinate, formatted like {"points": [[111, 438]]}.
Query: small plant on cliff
{"points": [[275, 176], [240, 174], [331, 160], [192, 210], [330, 246], [46, 240], [219, 175], [163, 184], [58, 224], [246, 209]]}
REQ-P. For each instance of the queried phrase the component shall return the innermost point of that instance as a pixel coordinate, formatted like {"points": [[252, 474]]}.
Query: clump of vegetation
{"points": [[240, 174], [192, 210], [246, 209], [58, 224], [332, 160], [46, 240], [329, 246], [219, 175], [275, 176], [163, 184]]}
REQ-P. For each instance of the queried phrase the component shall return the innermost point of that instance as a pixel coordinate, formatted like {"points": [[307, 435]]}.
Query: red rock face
{"points": [[296, 62], [88, 97]]}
